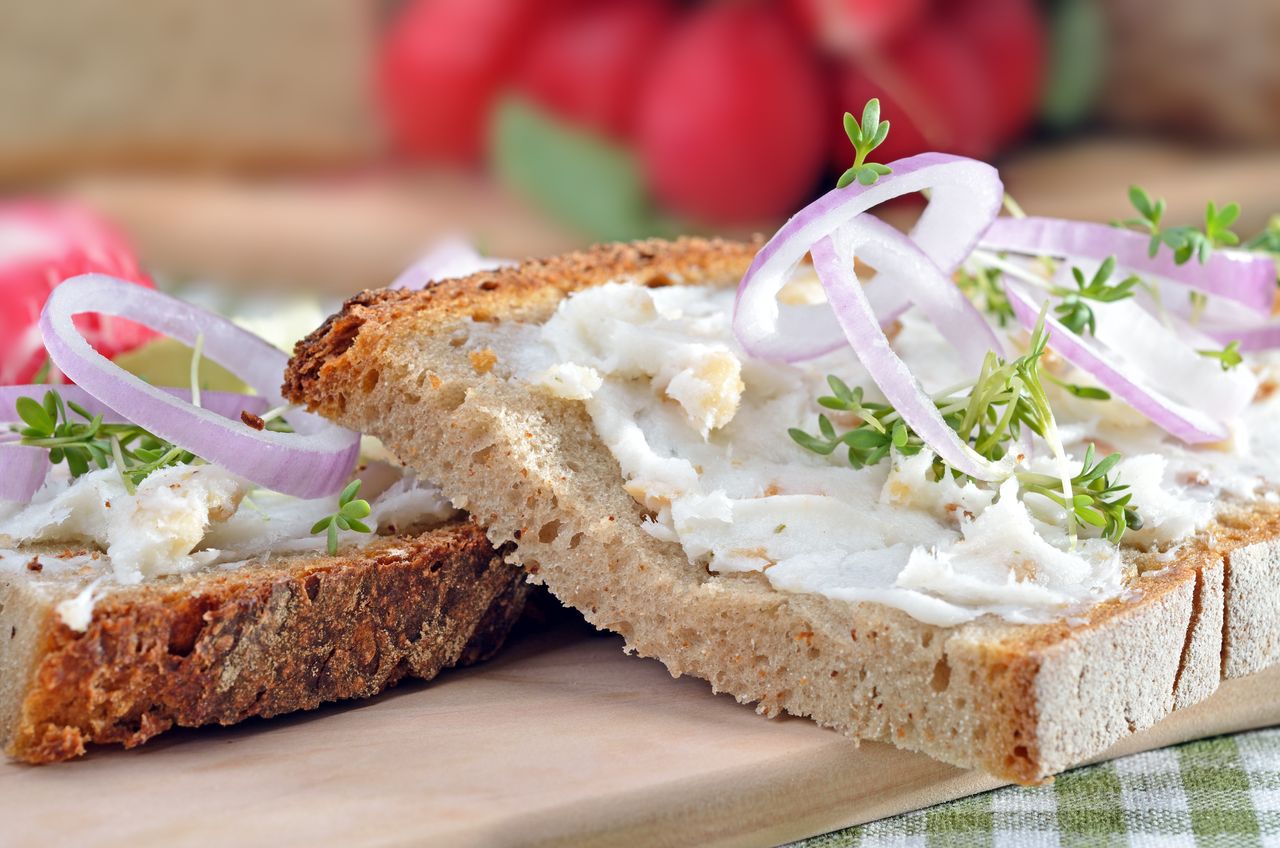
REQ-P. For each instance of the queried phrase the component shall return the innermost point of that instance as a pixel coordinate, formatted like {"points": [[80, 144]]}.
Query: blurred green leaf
{"points": [[587, 181]]}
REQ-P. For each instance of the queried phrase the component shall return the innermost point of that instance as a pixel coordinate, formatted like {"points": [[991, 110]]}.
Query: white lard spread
{"points": [[700, 432], [181, 519]]}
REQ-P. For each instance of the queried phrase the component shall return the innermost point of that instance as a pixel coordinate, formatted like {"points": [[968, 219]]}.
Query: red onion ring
{"points": [[314, 461], [833, 261], [226, 404], [1252, 338], [1190, 425], [25, 470], [452, 256], [966, 196], [1247, 278]]}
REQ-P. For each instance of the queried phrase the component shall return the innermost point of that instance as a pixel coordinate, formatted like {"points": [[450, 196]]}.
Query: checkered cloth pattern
{"points": [[1223, 791]]}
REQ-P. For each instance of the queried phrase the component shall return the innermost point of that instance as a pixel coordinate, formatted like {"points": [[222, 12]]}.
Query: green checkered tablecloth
{"points": [[1223, 791]]}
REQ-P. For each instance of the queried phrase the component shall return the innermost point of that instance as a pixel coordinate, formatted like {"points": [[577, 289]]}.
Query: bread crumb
{"points": [[35, 564], [483, 360], [253, 421]]}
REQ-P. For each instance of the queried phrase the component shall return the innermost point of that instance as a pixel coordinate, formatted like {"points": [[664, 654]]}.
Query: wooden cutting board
{"points": [[560, 739]]}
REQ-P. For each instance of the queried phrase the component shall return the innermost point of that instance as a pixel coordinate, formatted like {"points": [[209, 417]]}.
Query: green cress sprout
{"points": [[865, 137], [348, 516], [1074, 312], [984, 288], [989, 414], [84, 440], [1267, 241], [1229, 356], [1185, 242]]}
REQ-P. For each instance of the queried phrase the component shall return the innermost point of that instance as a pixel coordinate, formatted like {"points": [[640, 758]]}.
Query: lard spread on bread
{"points": [[699, 430], [180, 519]]}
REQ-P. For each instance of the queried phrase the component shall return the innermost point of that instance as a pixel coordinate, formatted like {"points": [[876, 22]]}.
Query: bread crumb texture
{"points": [[217, 648]]}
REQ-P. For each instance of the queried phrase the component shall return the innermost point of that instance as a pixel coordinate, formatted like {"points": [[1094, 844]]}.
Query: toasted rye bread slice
{"points": [[217, 647], [1020, 701]]}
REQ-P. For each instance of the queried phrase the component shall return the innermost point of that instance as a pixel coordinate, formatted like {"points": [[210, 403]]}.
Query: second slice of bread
{"points": [[220, 646], [1020, 701]]}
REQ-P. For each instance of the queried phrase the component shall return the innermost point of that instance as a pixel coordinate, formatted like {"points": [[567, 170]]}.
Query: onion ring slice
{"points": [[1186, 423], [833, 261], [966, 196], [1247, 278], [314, 461]]}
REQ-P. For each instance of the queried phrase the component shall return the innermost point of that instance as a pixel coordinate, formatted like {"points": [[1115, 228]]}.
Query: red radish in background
{"points": [[1008, 39], [931, 89], [588, 65], [441, 64], [851, 26], [42, 244], [733, 118]]}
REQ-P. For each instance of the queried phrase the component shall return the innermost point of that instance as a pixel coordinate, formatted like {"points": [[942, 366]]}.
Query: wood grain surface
{"points": [[561, 739]]}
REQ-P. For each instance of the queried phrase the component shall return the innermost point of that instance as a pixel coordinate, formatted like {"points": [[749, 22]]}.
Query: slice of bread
{"points": [[220, 646], [1020, 701]]}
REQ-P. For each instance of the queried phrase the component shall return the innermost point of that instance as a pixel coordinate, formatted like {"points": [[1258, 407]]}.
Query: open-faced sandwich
{"points": [[1004, 502], [186, 557]]}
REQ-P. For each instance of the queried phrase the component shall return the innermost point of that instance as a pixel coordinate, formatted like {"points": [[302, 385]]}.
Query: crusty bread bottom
{"points": [[261, 640], [1022, 702]]}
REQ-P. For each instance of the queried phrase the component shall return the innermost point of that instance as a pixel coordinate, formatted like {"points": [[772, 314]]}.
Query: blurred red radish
{"points": [[734, 116], [1008, 39], [42, 244], [931, 89], [587, 66], [850, 26], [441, 64]]}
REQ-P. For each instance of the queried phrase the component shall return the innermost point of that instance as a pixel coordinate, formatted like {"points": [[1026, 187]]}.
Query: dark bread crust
{"points": [[509, 293], [266, 640], [1022, 701]]}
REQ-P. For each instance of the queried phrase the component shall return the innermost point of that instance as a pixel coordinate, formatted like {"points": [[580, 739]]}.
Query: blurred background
{"points": [[321, 145]]}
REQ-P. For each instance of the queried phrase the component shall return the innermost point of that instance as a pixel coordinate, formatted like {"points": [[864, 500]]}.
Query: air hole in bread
{"points": [[941, 675], [489, 285], [997, 670], [312, 587], [185, 631], [548, 532], [533, 567], [980, 733], [481, 457], [370, 380], [659, 281], [926, 639], [459, 338], [575, 540]]}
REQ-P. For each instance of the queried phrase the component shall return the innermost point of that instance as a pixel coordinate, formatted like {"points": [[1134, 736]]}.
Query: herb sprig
{"points": [[983, 286], [350, 511], [989, 415], [1074, 312], [1185, 241], [1229, 356], [71, 434], [865, 137]]}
